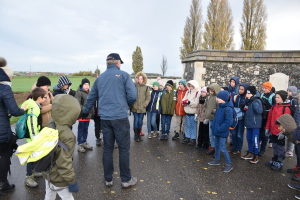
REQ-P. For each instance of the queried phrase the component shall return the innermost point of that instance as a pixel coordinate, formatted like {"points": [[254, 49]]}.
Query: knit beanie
{"points": [[63, 80], [169, 83], [251, 90], [283, 94], [7, 69], [156, 83], [224, 95], [268, 85], [293, 89], [159, 80], [204, 89], [43, 80], [183, 82], [85, 80], [225, 88]]}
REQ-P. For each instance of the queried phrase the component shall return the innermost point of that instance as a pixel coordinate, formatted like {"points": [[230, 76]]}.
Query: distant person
{"points": [[8, 106], [83, 124], [63, 87], [233, 87], [158, 115], [44, 83], [34, 125], [116, 92]]}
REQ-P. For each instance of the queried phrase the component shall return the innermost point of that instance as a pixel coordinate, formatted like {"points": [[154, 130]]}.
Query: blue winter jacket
{"points": [[296, 132], [221, 121], [238, 101], [116, 92], [8, 106], [253, 118], [234, 90], [153, 102]]}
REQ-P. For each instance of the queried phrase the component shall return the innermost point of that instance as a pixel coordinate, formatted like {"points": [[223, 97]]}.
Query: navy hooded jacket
{"points": [[234, 90], [253, 118], [153, 102], [7, 104], [240, 98], [115, 90], [222, 121]]}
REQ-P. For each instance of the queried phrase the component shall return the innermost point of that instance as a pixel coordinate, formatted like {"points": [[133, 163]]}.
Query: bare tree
{"points": [[164, 65]]}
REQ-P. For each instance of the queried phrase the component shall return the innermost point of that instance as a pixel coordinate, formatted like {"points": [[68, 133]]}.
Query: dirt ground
{"points": [[21, 97]]}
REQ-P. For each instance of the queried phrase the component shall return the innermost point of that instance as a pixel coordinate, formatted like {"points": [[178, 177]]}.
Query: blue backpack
{"points": [[21, 126], [234, 116]]}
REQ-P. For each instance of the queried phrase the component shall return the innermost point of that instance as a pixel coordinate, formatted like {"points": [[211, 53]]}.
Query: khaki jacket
{"points": [[143, 94]]}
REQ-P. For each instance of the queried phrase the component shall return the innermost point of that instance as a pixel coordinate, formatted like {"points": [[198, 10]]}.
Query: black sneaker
{"points": [[295, 187], [193, 142], [198, 146], [5, 186], [98, 142], [176, 136], [294, 170], [186, 141], [261, 152]]}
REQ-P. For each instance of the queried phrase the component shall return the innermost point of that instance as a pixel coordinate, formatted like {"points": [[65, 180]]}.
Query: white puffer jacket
{"points": [[193, 97]]}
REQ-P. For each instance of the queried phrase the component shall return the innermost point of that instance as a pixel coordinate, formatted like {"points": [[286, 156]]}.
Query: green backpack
{"points": [[21, 126]]}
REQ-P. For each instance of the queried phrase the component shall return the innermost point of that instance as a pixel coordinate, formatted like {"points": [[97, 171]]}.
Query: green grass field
{"points": [[24, 83]]}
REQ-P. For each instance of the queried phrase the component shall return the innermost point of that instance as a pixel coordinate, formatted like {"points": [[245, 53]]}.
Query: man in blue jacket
{"points": [[115, 92]]}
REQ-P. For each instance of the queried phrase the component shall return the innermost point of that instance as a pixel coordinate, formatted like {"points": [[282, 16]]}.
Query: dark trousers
{"points": [[297, 151], [29, 169], [83, 127], [97, 121], [203, 135], [119, 131], [5, 152], [262, 137], [278, 147]]}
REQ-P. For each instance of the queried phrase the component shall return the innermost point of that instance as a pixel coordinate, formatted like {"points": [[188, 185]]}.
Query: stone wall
{"points": [[252, 67]]}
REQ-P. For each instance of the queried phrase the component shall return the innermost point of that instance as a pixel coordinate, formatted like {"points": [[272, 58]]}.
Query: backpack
{"points": [[292, 109], [21, 126], [265, 112], [234, 116]]}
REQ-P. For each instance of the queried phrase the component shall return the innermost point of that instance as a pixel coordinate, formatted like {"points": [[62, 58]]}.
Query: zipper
{"points": [[169, 101], [153, 102]]}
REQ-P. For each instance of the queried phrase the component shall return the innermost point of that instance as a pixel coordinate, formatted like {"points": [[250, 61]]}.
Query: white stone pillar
{"points": [[199, 71]]}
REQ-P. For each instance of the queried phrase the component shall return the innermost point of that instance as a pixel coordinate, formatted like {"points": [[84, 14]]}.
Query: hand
{"points": [[196, 117], [206, 121], [83, 116], [184, 102], [73, 187], [267, 132], [25, 107], [280, 136]]}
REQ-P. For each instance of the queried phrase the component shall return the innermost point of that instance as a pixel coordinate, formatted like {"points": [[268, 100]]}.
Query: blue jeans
{"points": [[166, 119], [190, 127], [119, 131], [253, 138], [220, 146], [151, 119], [138, 120], [82, 131], [211, 136], [238, 135]]}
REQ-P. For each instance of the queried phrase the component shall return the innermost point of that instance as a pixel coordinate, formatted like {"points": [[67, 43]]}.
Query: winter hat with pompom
{"points": [[7, 69], [159, 80]]}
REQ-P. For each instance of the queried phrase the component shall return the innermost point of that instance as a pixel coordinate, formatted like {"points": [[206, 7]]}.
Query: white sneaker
{"points": [[270, 145], [289, 154]]}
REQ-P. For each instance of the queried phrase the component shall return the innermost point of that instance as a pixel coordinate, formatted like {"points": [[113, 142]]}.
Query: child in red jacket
{"points": [[281, 107]]}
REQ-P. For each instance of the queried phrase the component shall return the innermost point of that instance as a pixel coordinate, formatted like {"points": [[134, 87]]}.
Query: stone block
{"points": [[210, 58], [229, 65], [256, 72], [290, 60], [287, 55], [249, 54], [231, 54], [280, 59], [276, 55], [263, 59], [258, 55], [254, 59], [213, 80], [241, 55], [204, 53], [227, 59], [215, 54], [296, 55], [219, 58], [247, 59], [297, 59], [237, 59], [224, 54], [201, 58], [280, 81], [271, 59], [266, 55]]}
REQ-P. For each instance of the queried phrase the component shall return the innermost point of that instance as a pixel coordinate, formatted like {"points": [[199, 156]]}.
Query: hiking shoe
{"points": [[296, 177], [166, 137], [154, 134], [277, 166], [98, 142], [186, 141], [235, 152], [198, 146], [228, 168], [248, 156], [261, 152], [270, 163], [5, 186], [294, 170], [149, 136], [295, 187], [289, 154], [210, 151], [81, 149], [30, 182], [162, 137], [109, 184], [176, 136], [254, 159], [214, 162], [37, 174], [87, 146], [270, 145], [193, 142], [132, 182]]}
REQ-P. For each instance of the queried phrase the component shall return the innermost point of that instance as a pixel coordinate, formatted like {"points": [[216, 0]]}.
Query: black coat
{"points": [[60, 91], [8, 106]]}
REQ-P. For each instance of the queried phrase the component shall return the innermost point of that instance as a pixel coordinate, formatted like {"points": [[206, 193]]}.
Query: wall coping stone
{"points": [[267, 56]]}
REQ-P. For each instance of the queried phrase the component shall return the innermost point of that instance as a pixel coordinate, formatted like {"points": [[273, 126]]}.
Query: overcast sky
{"points": [[74, 35]]}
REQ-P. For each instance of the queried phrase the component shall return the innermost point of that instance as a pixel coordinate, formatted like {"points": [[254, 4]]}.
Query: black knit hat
{"points": [[85, 80], [251, 90], [170, 83], [225, 88], [283, 94], [42, 81]]}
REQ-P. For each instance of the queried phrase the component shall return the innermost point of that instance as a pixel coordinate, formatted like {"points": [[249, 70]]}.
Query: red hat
{"points": [[268, 85]]}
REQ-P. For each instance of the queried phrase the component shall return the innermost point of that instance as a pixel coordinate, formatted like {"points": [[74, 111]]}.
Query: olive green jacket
{"points": [[168, 102], [143, 94], [80, 92]]}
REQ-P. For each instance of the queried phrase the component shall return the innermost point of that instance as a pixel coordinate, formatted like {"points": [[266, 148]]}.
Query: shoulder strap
{"points": [[235, 97], [63, 145], [196, 94], [53, 125]]}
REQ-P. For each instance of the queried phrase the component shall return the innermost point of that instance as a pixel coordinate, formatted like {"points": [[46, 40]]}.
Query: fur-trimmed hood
{"points": [[141, 74]]}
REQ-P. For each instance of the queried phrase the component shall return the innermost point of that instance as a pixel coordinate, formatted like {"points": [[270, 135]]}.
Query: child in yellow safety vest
{"points": [[153, 108]]}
